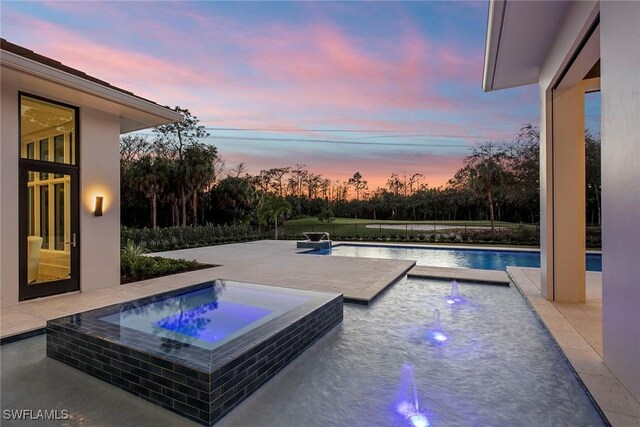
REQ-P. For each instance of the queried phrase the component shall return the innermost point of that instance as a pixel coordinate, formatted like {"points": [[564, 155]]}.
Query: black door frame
{"points": [[72, 283], [26, 291]]}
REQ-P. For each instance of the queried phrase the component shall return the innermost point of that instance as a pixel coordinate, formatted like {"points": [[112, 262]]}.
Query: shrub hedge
{"points": [[172, 238]]}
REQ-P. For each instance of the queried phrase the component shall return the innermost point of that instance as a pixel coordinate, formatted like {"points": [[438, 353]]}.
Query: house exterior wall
{"points": [[99, 175], [620, 86], [620, 83]]}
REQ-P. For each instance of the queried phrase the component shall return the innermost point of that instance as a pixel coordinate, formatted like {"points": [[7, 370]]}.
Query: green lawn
{"points": [[344, 221], [433, 231]]}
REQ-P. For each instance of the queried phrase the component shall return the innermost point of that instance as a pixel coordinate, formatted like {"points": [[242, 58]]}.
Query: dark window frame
{"points": [[25, 165]]}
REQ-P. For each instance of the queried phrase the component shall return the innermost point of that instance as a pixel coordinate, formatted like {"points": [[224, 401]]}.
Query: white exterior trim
{"points": [[492, 42]]}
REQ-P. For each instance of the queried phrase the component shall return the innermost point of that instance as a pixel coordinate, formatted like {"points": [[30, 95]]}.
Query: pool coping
{"points": [[530, 294], [463, 275], [446, 246], [564, 356]]}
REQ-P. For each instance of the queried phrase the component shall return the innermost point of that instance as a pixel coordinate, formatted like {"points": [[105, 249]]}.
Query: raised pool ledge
{"points": [[184, 375], [485, 277]]}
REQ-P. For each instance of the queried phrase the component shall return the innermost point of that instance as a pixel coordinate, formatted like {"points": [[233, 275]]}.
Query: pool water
{"points": [[483, 259], [207, 317], [212, 322], [497, 367]]}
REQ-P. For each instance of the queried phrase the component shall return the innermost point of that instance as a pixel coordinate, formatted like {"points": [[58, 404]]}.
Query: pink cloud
{"points": [[323, 66], [100, 60], [320, 70], [289, 76]]}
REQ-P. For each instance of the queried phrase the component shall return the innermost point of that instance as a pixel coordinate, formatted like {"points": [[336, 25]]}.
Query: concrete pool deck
{"points": [[577, 329], [268, 262]]}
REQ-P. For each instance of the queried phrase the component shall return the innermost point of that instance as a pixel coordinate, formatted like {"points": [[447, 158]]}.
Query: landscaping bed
{"points": [[135, 265], [155, 266]]}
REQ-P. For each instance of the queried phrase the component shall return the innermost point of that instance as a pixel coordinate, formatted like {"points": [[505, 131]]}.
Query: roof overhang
{"points": [[519, 34], [135, 113]]}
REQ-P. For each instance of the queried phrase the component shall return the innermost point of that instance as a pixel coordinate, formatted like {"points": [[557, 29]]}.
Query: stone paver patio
{"points": [[276, 263]]}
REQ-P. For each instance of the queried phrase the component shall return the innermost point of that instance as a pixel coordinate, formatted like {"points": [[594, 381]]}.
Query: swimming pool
{"points": [[484, 259]]}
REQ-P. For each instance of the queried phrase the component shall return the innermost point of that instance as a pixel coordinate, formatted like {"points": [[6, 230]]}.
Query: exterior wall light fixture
{"points": [[98, 208]]}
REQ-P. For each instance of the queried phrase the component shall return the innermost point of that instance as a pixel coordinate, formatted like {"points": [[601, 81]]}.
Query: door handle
{"points": [[73, 240]]}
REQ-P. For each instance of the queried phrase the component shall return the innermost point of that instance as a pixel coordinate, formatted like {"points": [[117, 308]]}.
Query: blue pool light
{"points": [[413, 415], [419, 420], [439, 336]]}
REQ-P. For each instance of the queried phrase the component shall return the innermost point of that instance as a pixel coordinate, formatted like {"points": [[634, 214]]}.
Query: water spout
{"points": [[435, 333], [408, 403], [454, 297], [436, 319]]}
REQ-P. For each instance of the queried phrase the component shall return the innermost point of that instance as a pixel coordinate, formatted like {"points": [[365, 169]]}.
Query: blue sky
{"points": [[337, 86]]}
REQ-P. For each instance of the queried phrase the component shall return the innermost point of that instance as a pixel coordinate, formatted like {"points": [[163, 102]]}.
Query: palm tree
{"points": [[271, 208], [198, 172], [149, 174], [484, 179]]}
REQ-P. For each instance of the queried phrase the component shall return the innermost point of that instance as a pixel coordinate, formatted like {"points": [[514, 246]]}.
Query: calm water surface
{"points": [[463, 258]]}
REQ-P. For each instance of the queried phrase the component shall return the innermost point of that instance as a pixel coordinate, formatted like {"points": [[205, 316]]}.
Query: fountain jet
{"points": [[435, 333], [408, 403], [454, 297]]}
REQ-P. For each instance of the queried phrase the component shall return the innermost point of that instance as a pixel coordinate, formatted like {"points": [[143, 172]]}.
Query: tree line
{"points": [[176, 180]]}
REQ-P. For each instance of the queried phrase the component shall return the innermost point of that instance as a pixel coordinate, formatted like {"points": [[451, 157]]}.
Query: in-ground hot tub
{"points": [[197, 351]]}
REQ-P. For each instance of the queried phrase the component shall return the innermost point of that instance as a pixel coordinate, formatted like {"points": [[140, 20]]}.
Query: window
{"points": [[46, 131]]}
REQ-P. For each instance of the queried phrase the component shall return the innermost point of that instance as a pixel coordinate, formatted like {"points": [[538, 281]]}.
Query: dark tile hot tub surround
{"points": [[197, 383]]}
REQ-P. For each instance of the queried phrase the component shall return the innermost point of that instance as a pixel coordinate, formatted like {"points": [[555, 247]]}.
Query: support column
{"points": [[562, 198]]}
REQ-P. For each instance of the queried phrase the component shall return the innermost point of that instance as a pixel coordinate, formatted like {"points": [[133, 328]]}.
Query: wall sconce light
{"points": [[98, 209]]}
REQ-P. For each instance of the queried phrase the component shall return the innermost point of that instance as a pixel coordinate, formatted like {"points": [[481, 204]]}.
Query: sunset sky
{"points": [[339, 87]]}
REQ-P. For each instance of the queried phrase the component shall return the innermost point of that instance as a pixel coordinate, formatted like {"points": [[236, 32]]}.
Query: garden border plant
{"points": [[135, 265]]}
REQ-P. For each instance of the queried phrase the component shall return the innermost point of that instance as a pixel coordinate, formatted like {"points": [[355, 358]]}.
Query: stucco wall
{"points": [[620, 83], [9, 196], [99, 175]]}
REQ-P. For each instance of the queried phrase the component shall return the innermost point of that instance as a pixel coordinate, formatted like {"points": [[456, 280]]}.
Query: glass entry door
{"points": [[49, 197], [49, 240]]}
